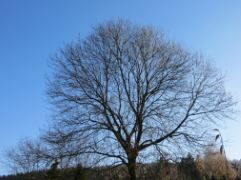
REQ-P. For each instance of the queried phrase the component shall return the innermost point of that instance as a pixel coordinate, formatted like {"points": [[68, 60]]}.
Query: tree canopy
{"points": [[125, 91]]}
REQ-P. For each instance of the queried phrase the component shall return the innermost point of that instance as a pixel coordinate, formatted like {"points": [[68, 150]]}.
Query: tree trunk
{"points": [[132, 168]]}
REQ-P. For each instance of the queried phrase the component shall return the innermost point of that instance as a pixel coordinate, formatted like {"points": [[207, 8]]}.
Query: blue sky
{"points": [[32, 31]]}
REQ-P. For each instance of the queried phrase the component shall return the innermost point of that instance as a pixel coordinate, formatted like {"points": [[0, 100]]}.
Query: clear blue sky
{"points": [[32, 30]]}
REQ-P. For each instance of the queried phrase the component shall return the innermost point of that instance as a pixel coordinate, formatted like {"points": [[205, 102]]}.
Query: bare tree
{"points": [[27, 156], [125, 91], [59, 147], [42, 154]]}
